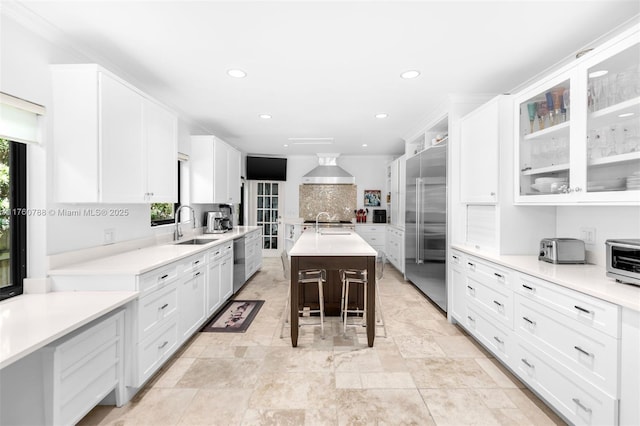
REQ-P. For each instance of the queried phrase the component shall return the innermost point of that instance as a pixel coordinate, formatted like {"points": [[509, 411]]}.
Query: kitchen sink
{"points": [[196, 241]]}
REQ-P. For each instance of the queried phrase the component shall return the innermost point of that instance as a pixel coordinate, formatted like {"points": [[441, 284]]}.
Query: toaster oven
{"points": [[623, 260]]}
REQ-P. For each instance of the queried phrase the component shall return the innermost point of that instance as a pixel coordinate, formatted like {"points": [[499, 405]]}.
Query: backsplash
{"points": [[337, 200]]}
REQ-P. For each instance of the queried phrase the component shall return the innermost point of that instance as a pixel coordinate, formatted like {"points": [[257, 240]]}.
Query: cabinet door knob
{"points": [[493, 194]]}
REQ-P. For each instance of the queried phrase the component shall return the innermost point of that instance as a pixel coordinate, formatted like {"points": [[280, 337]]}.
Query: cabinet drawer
{"points": [[158, 278], [215, 253], [495, 301], [84, 344], [375, 229], [576, 399], [192, 263], [496, 338], [154, 308], [587, 310], [74, 381], [155, 349], [488, 273], [457, 259], [590, 353]]}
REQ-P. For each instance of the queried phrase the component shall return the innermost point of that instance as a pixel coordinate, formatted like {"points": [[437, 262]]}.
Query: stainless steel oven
{"points": [[623, 260]]}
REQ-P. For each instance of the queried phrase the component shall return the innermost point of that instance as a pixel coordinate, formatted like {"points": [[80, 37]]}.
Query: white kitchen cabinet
{"points": [[226, 272], [479, 154], [192, 295], [394, 246], [111, 142], [373, 234], [585, 148], [397, 191], [563, 344], [215, 171], [83, 368], [212, 293], [253, 253]]}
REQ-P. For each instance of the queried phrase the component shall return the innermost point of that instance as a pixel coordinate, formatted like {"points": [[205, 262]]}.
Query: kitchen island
{"points": [[332, 250]]}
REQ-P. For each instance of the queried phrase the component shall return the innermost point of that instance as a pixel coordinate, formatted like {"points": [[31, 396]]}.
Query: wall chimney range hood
{"points": [[328, 172]]}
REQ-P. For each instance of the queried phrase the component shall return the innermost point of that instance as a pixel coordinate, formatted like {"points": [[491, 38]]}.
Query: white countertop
{"points": [[588, 279], [139, 261], [31, 321], [331, 242]]}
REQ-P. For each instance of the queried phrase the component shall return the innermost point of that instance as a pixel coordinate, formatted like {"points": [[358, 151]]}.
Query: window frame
{"points": [[176, 205], [17, 219]]}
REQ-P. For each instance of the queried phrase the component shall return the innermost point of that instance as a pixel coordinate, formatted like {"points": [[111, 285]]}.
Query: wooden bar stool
{"points": [[305, 276]]}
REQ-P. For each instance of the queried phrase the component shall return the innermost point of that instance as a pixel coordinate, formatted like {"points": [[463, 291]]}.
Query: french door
{"points": [[266, 205]]}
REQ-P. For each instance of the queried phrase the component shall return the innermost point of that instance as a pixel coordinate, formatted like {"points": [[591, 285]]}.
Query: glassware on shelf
{"points": [[566, 98], [531, 109], [556, 94], [595, 89], [549, 98], [542, 112]]}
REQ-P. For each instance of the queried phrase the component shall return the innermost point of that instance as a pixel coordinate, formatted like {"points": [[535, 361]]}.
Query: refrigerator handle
{"points": [[418, 220]]}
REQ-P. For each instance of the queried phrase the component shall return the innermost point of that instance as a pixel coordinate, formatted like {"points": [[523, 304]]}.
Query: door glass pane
{"points": [[5, 206], [613, 128], [260, 216], [260, 202], [274, 203], [267, 189], [267, 202], [544, 141], [274, 189], [260, 188], [274, 243], [266, 243]]}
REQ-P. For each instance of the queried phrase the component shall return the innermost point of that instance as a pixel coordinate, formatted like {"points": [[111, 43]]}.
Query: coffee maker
{"points": [[219, 220]]}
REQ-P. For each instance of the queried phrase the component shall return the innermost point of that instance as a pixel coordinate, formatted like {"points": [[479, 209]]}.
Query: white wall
{"points": [[369, 172], [609, 222]]}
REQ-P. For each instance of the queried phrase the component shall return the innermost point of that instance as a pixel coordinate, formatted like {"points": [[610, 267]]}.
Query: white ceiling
{"points": [[324, 69]]}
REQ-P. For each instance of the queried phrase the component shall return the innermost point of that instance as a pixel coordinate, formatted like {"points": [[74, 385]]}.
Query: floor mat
{"points": [[235, 317]]}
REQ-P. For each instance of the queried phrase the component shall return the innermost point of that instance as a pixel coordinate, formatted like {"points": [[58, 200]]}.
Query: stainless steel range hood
{"points": [[328, 172]]}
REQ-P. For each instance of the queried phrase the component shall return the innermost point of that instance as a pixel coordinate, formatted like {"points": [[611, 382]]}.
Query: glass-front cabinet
{"points": [[578, 131]]}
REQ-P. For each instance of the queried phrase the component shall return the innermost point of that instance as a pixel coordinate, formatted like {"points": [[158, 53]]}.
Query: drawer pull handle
{"points": [[196, 262], [471, 288], [196, 274], [527, 363], [499, 340], [581, 405], [579, 349], [529, 321], [528, 287], [498, 303], [164, 306], [163, 277], [455, 257], [498, 275], [164, 344], [580, 308], [471, 318], [471, 264]]}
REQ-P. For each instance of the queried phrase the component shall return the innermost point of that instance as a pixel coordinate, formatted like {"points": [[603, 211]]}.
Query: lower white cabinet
{"points": [[253, 253], [83, 368], [191, 294], [563, 344], [219, 285], [394, 246], [373, 234]]}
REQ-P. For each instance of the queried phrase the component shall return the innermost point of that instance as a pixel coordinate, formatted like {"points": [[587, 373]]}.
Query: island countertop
{"points": [[331, 242]]}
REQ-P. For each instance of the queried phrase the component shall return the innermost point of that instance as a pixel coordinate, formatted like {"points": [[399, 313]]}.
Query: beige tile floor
{"points": [[425, 372]]}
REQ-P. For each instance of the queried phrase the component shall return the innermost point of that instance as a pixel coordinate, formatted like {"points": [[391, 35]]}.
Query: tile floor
{"points": [[425, 372]]}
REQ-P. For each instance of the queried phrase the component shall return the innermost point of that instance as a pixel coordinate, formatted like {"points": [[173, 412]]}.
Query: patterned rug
{"points": [[235, 317]]}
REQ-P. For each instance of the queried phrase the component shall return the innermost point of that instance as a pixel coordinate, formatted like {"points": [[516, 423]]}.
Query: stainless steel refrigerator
{"points": [[426, 222]]}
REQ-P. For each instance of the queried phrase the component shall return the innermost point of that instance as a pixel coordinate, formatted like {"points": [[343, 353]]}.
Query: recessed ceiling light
{"points": [[599, 73], [237, 73], [410, 74], [286, 145], [382, 115], [365, 145], [265, 116], [626, 114]]}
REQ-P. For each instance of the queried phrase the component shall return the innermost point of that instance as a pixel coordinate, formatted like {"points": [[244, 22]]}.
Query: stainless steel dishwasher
{"points": [[239, 260]]}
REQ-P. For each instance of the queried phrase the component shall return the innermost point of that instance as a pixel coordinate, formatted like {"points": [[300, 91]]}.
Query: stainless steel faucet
{"points": [[317, 216], [177, 234]]}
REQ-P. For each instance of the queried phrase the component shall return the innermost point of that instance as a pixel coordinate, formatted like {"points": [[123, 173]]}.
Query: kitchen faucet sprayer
{"points": [[177, 234]]}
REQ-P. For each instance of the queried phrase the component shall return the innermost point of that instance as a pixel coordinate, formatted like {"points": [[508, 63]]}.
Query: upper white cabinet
{"points": [[215, 171], [111, 143], [479, 137], [577, 132]]}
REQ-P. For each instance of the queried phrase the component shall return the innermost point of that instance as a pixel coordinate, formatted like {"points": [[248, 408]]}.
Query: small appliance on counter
{"points": [[562, 250], [218, 220], [623, 260], [379, 216]]}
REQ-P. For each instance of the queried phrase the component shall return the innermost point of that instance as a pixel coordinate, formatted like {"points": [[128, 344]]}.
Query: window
{"points": [[165, 213], [13, 217]]}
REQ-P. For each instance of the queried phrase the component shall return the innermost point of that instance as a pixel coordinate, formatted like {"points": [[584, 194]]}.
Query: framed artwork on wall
{"points": [[372, 197]]}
